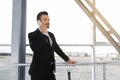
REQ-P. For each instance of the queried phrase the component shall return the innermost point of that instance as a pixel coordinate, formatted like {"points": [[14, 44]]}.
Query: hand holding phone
{"points": [[39, 23]]}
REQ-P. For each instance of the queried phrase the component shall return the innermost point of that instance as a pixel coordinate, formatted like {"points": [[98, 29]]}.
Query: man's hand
{"points": [[71, 62]]}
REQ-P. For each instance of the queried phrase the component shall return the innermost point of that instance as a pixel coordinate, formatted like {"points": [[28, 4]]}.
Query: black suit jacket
{"points": [[43, 58]]}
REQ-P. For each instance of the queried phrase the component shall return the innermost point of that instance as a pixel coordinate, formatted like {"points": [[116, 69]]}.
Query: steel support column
{"points": [[19, 36]]}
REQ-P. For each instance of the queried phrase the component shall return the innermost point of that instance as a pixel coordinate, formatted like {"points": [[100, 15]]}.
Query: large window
{"points": [[5, 37], [73, 31], [110, 10], [67, 21], [5, 30]]}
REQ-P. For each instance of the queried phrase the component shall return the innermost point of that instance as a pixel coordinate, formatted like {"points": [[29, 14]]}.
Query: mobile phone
{"points": [[39, 23]]}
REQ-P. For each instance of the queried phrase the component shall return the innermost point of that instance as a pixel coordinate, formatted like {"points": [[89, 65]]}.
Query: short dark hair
{"points": [[40, 14]]}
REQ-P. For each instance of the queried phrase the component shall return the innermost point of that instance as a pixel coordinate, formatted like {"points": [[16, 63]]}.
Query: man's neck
{"points": [[43, 31]]}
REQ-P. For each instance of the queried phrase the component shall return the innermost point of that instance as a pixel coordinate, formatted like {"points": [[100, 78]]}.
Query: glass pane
{"points": [[5, 30], [68, 22], [6, 22], [110, 12]]}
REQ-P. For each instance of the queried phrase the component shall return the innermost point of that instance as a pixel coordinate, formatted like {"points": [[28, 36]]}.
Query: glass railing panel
{"points": [[99, 72], [80, 71], [8, 72], [112, 72], [27, 76], [4, 73]]}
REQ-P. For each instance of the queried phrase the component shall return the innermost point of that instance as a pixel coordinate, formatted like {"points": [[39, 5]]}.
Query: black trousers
{"points": [[45, 76]]}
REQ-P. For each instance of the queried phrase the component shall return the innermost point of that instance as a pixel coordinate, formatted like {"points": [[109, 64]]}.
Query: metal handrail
{"points": [[65, 64]]}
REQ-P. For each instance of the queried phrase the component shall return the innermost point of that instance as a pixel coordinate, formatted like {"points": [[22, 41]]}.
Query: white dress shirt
{"points": [[48, 37]]}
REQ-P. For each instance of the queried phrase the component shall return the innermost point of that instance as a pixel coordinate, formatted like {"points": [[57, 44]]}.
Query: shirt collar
{"points": [[43, 33]]}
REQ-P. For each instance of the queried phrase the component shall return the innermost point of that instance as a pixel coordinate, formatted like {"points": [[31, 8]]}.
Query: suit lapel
{"points": [[51, 36], [45, 38]]}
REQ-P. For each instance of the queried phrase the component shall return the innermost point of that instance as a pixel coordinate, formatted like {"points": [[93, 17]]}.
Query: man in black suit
{"points": [[43, 45]]}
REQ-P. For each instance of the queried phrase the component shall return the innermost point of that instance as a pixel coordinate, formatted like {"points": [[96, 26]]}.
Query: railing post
{"points": [[104, 71], [69, 74]]}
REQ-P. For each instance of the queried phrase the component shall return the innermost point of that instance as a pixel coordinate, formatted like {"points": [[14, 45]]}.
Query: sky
{"points": [[68, 22]]}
